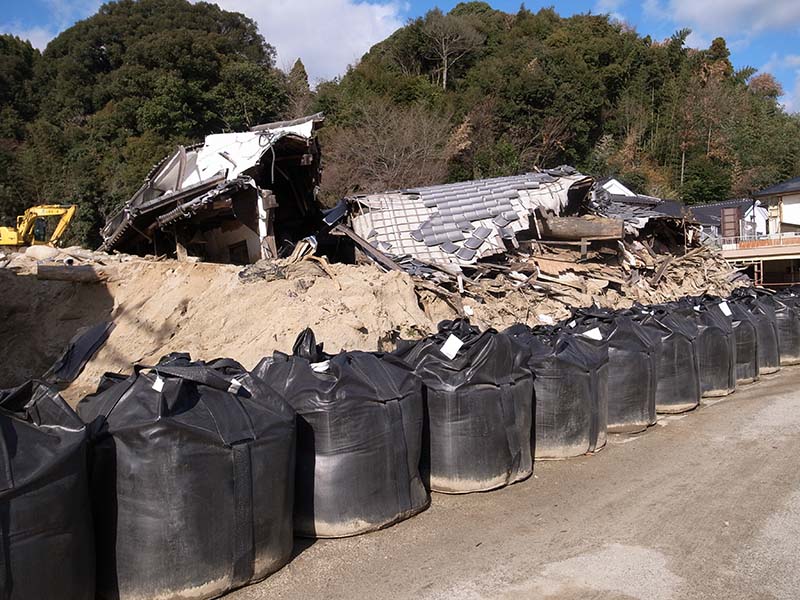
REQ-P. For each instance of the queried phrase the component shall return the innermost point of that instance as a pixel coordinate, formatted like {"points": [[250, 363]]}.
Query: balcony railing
{"points": [[760, 241]]}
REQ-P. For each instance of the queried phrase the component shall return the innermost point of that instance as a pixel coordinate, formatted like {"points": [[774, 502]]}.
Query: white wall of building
{"points": [[791, 209]]}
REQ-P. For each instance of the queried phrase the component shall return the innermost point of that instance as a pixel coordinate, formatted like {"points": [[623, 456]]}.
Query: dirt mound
{"points": [[204, 309], [212, 310]]}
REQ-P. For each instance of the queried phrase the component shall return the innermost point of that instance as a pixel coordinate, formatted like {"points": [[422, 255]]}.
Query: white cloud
{"points": [[791, 100], [37, 36], [728, 17], [328, 35], [697, 41], [61, 14]]}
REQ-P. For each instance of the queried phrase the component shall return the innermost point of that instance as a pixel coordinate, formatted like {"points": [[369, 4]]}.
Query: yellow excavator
{"points": [[34, 227]]}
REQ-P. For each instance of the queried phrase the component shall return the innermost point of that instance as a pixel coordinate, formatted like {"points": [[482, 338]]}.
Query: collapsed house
{"points": [[236, 198], [538, 243], [463, 225], [455, 225]]}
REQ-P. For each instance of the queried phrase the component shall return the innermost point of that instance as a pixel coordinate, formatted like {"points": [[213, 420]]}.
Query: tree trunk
{"points": [[683, 165], [444, 74]]}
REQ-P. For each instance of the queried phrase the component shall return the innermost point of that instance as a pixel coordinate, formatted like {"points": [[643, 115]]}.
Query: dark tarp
{"points": [[632, 363], [192, 480], [359, 438], [678, 384], [479, 407], [571, 391], [762, 308], [716, 344], [787, 314], [46, 536], [79, 351]]}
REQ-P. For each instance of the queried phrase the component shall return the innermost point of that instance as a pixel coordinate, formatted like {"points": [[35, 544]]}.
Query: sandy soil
{"points": [[202, 309]]}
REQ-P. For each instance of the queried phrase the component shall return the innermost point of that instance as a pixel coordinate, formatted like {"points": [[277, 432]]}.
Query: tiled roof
{"points": [[791, 186], [459, 223]]}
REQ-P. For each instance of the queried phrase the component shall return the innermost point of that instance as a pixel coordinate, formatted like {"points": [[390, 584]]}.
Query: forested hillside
{"points": [[472, 93], [537, 89], [86, 119]]}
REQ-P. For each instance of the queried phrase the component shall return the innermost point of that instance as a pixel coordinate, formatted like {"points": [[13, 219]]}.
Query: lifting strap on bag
{"points": [[513, 434], [243, 518], [6, 475], [232, 421]]}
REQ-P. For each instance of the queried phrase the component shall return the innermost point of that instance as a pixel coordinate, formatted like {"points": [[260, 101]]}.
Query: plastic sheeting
{"points": [[192, 480], [787, 315], [678, 384], [46, 535], [79, 351], [359, 438], [762, 308], [632, 363], [716, 344], [479, 407], [571, 391]]}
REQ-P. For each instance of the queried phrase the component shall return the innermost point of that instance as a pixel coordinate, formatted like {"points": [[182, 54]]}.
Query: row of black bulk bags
{"points": [[359, 437], [570, 390], [478, 407], [632, 364], [715, 344], [192, 480], [46, 535], [787, 315], [761, 310]]}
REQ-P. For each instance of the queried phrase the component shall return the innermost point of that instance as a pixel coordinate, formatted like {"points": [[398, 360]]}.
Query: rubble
{"points": [[616, 253]]}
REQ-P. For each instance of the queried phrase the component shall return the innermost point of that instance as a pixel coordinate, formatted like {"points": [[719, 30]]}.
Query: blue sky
{"points": [[330, 34]]}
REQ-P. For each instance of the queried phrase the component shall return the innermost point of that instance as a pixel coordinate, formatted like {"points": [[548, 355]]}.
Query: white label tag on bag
{"points": [[696, 308], [593, 334], [321, 367], [451, 347], [158, 384], [572, 324], [235, 386], [726, 310]]}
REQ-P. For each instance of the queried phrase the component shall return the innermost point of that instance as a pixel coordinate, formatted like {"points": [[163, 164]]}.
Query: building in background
{"points": [[772, 253]]}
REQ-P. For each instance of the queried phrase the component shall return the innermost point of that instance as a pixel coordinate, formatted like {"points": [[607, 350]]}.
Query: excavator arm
{"points": [[26, 225]]}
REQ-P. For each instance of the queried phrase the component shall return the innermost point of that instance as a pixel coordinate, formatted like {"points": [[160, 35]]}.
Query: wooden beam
{"points": [[368, 248]]}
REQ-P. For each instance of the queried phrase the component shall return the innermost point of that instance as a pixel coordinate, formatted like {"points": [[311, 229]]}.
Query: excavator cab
{"points": [[40, 231]]}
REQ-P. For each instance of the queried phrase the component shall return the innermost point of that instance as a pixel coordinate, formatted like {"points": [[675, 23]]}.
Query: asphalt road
{"points": [[703, 505]]}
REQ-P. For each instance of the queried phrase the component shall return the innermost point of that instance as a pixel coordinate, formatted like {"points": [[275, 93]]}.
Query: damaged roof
{"points": [[635, 211], [194, 177], [459, 223]]}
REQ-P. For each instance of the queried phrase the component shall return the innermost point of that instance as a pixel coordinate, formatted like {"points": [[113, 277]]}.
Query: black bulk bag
{"points": [[787, 315], [762, 308], [715, 344], [678, 383], [359, 438], [192, 480], [570, 391], [46, 535], [479, 407], [745, 331], [632, 363]]}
